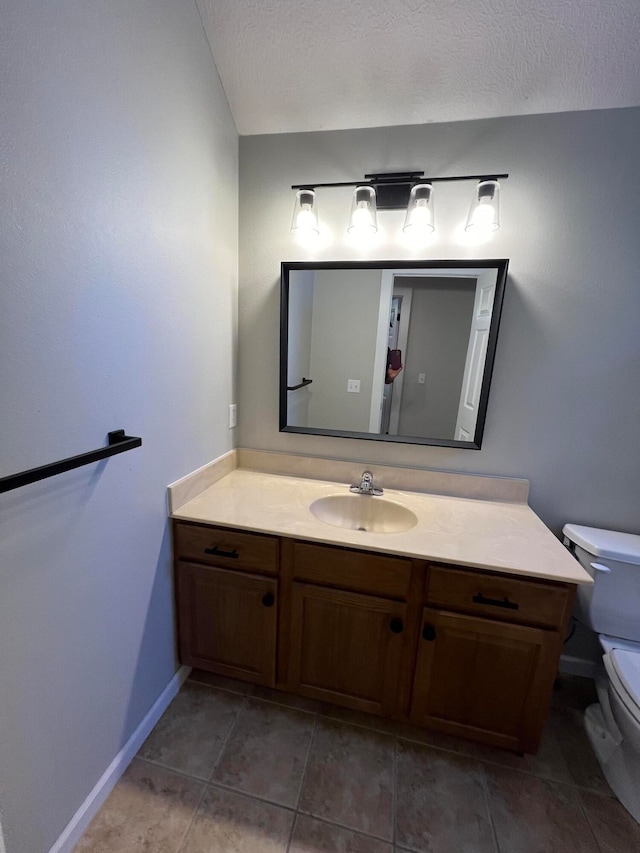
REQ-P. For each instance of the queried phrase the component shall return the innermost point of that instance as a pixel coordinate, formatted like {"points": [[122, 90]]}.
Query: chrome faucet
{"points": [[366, 486]]}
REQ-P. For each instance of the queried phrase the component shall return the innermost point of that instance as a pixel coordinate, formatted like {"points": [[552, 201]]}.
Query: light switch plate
{"points": [[421, 378], [353, 386], [233, 415]]}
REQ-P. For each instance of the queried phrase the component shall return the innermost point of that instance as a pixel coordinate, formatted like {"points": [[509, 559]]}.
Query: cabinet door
{"points": [[485, 680], [346, 648], [227, 622]]}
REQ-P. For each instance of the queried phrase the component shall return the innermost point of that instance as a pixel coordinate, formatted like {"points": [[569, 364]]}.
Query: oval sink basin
{"points": [[363, 512]]}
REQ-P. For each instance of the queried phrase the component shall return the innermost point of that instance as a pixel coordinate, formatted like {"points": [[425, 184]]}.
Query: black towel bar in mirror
{"points": [[300, 384]]}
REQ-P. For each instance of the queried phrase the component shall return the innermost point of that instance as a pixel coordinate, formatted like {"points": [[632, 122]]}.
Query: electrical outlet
{"points": [[233, 415], [421, 378], [353, 386]]}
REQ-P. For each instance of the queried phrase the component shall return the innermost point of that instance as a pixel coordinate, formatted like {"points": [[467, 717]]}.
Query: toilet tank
{"points": [[612, 605]]}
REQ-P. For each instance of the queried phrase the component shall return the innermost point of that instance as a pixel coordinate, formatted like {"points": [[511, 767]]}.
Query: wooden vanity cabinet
{"points": [[468, 652], [227, 617]]}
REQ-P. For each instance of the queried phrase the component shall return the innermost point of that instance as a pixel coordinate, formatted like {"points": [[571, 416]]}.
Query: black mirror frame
{"points": [[289, 266]]}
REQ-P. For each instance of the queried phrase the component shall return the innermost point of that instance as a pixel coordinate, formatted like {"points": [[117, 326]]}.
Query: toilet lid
{"points": [[624, 547], [624, 671]]}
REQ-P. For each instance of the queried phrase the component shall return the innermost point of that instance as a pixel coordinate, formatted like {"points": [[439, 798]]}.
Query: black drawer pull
{"points": [[268, 599], [396, 626], [218, 552], [429, 633], [496, 602]]}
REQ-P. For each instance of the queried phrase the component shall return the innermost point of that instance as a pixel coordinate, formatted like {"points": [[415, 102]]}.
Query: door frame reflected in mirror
{"points": [[459, 269]]}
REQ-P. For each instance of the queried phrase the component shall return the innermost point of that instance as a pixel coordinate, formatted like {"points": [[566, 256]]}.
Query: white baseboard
{"points": [[578, 666], [87, 811]]}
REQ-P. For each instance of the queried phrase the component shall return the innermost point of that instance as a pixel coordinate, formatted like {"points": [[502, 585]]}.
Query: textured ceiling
{"points": [[298, 65]]}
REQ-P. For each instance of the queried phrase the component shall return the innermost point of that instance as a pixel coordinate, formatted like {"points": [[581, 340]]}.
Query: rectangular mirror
{"points": [[389, 350]]}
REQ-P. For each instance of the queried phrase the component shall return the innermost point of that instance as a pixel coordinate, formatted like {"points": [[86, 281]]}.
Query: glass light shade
{"points": [[419, 218], [363, 220], [484, 213], [305, 215]]}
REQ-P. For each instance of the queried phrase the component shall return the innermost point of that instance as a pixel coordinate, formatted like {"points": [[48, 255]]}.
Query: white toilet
{"points": [[611, 607]]}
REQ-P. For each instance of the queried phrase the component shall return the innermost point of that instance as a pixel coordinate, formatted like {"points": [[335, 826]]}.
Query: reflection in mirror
{"points": [[393, 351]]}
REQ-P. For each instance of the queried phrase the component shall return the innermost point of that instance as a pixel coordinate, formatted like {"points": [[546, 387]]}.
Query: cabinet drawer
{"points": [[217, 546], [497, 596], [359, 571]]}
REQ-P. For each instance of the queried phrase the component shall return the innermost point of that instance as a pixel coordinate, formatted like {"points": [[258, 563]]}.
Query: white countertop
{"points": [[507, 537]]}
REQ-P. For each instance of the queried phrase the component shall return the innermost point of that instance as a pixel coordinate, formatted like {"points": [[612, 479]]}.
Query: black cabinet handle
{"points": [[219, 552], [268, 599], [495, 602], [396, 626], [429, 633]]}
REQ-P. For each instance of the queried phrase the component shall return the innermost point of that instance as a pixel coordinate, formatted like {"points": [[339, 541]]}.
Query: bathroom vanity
{"points": [[456, 624]]}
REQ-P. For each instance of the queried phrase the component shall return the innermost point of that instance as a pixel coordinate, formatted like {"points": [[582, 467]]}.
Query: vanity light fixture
{"points": [[305, 214], [484, 213], [396, 191]]}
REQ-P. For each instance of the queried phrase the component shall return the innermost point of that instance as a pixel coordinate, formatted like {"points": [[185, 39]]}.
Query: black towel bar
{"points": [[300, 385], [118, 443]]}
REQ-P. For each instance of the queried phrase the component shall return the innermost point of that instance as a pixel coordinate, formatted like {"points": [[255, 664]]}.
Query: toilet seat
{"points": [[623, 669]]}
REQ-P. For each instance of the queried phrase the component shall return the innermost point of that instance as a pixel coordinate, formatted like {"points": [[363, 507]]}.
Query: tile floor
{"points": [[232, 768]]}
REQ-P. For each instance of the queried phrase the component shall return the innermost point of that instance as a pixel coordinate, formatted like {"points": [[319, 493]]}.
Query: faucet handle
{"points": [[365, 487]]}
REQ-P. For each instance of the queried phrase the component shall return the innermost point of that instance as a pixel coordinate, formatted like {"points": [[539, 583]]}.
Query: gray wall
{"points": [[441, 312], [118, 302], [564, 408], [343, 345]]}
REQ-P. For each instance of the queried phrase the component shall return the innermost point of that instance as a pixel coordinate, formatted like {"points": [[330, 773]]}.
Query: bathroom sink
{"points": [[363, 512]]}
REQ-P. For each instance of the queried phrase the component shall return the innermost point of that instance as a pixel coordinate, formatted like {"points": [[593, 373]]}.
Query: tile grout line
{"points": [[347, 828], [282, 703], [193, 818], [256, 797], [585, 814], [369, 728], [292, 830], [306, 763], [216, 687], [172, 769], [487, 802], [350, 829], [302, 778], [227, 739], [570, 784]]}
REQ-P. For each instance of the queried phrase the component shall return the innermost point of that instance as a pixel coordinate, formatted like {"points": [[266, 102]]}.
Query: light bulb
{"points": [[306, 220], [420, 216], [305, 217], [419, 219], [362, 219], [484, 215], [483, 221], [363, 222]]}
